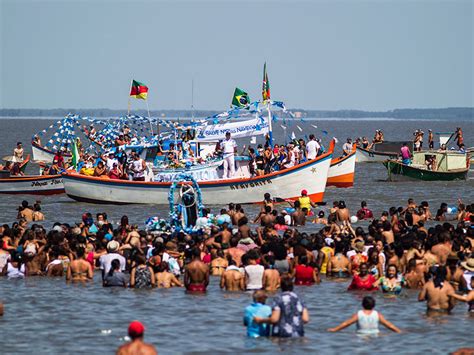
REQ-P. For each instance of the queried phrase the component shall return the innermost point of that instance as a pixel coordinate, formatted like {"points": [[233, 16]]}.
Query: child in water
{"points": [[367, 319]]}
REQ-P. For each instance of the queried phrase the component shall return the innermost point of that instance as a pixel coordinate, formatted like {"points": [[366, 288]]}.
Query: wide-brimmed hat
{"points": [[113, 246], [468, 264]]}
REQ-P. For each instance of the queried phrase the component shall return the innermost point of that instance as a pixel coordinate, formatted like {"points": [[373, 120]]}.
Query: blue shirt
{"points": [[255, 330]]}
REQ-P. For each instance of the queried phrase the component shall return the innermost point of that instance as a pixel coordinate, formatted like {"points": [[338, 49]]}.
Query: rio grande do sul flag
{"points": [[139, 90]]}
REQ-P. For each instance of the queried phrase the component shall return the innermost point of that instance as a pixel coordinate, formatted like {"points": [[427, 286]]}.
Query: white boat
{"points": [[42, 154], [32, 185], [285, 184], [376, 155], [342, 170]]}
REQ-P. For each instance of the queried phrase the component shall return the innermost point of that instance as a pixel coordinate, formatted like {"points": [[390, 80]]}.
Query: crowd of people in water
{"points": [[396, 251]]}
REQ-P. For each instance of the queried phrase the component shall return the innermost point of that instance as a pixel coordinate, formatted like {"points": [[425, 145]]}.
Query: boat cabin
{"points": [[439, 161]]}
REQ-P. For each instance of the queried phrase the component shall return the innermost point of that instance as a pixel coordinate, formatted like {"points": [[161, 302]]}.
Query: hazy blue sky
{"points": [[371, 55]]}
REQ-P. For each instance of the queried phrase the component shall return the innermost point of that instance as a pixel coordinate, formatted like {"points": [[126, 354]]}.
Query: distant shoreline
{"points": [[449, 113]]}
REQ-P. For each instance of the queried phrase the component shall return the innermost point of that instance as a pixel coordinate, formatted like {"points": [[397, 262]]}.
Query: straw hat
{"points": [[468, 264], [113, 246]]}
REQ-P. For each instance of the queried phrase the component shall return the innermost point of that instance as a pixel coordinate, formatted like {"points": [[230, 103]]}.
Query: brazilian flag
{"points": [[241, 98]]}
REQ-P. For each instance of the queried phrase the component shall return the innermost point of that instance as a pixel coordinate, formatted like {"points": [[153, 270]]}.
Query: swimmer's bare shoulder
{"points": [[136, 347]]}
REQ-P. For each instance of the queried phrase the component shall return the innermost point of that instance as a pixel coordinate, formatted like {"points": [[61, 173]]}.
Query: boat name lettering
{"points": [[45, 183], [250, 184]]}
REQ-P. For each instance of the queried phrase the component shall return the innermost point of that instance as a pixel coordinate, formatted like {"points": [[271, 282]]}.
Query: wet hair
{"points": [[242, 221], [342, 204], [363, 204], [268, 209], [115, 264], [439, 276], [368, 302], [286, 283], [124, 221], [266, 196], [303, 260]]}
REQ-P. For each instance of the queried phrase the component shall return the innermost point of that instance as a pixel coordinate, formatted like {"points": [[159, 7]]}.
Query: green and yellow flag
{"points": [[75, 155], [241, 98]]}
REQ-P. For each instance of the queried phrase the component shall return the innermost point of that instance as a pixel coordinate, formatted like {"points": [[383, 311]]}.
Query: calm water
{"points": [[50, 317]]}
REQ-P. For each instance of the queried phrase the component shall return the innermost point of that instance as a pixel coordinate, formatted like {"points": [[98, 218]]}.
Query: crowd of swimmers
{"points": [[395, 252]]}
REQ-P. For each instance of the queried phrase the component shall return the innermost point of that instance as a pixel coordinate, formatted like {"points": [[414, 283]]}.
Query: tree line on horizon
{"points": [[408, 113]]}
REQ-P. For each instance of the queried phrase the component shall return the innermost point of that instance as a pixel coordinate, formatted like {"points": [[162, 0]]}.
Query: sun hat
{"points": [[468, 264], [113, 246]]}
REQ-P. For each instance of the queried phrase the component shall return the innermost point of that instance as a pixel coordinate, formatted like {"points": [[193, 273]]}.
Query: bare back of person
{"points": [[236, 255], [244, 231], [442, 251], [79, 271], [233, 280], [438, 299], [414, 280], [218, 266], [339, 265], [166, 279], [137, 347], [27, 214], [236, 217], [342, 214], [196, 276], [267, 220], [299, 218], [271, 280]]}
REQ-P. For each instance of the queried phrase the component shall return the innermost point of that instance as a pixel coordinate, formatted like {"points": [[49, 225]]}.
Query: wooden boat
{"points": [[32, 185], [42, 154], [342, 170], [285, 184], [450, 165], [379, 152]]}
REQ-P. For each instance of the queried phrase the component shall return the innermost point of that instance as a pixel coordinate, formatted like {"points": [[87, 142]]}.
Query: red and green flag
{"points": [[241, 98], [138, 90], [265, 84]]}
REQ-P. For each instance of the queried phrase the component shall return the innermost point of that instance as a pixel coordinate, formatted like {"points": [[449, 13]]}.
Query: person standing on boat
{"points": [[229, 148], [405, 153], [18, 153], [138, 168], [430, 139], [312, 148], [458, 137]]}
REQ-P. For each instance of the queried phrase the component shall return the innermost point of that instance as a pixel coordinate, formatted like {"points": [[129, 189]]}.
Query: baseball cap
{"points": [[136, 329]]}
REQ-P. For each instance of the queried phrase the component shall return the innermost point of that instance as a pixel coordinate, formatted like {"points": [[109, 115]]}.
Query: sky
{"points": [[332, 54]]}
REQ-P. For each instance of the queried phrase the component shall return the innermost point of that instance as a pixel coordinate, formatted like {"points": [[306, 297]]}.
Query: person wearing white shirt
{"points": [[312, 148], [347, 147], [111, 160], [229, 148]]}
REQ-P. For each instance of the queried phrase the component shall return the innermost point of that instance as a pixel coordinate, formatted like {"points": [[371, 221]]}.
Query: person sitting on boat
{"points": [[110, 160], [364, 143], [18, 153], [442, 148], [431, 163], [37, 140], [406, 155], [58, 157], [100, 169], [120, 140], [347, 147], [116, 172], [462, 148]]}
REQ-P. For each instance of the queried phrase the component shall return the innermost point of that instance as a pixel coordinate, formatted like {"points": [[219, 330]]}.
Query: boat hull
{"points": [[342, 171], [396, 170], [370, 156], [32, 185], [43, 154], [286, 184]]}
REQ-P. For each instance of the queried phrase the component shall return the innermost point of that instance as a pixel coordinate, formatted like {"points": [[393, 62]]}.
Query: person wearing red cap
{"points": [[136, 331], [305, 202]]}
